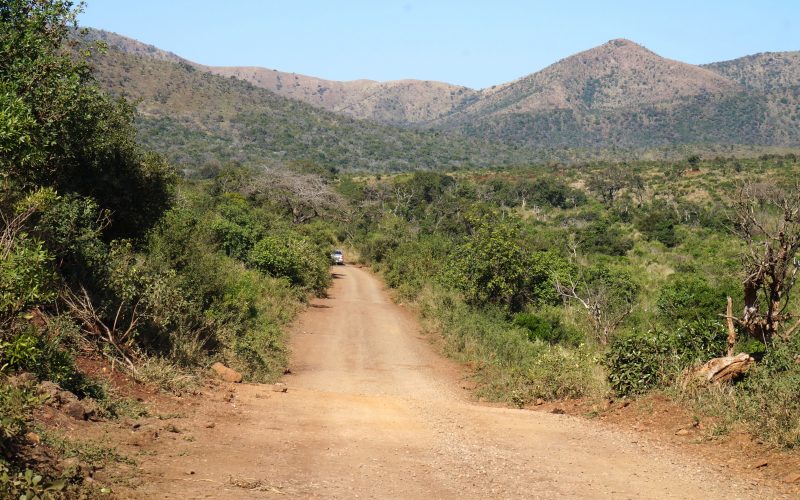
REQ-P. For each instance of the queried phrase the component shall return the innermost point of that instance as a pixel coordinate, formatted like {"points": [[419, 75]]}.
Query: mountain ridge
{"points": [[618, 95]]}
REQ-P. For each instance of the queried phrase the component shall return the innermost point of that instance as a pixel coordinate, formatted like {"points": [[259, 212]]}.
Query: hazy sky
{"points": [[472, 43]]}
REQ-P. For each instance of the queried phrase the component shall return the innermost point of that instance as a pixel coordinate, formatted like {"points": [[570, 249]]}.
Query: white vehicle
{"points": [[337, 257]]}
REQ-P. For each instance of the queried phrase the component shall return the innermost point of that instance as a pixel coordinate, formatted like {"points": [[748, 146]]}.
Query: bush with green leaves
{"points": [[493, 266], [658, 222], [294, 258], [604, 237], [249, 320], [17, 402], [415, 262], [642, 361], [690, 297], [510, 366], [546, 325], [26, 276], [769, 397]]}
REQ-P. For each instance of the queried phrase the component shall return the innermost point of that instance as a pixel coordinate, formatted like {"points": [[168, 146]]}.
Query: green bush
{"points": [[658, 222], [604, 237], [45, 352], [690, 297], [288, 256], [26, 277], [249, 320], [493, 267], [509, 365], [642, 361], [769, 397], [548, 327], [16, 412]]}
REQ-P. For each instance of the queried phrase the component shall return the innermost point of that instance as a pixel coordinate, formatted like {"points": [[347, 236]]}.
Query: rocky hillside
{"points": [[764, 71], [196, 118], [402, 102], [621, 95], [618, 74], [614, 99]]}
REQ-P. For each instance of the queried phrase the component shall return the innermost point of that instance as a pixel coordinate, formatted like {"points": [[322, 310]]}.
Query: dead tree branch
{"points": [[119, 338]]}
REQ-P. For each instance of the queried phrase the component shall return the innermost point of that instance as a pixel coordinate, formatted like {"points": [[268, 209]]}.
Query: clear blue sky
{"points": [[472, 43]]}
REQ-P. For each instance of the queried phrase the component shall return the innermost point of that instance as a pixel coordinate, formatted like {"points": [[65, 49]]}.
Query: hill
{"points": [[195, 118], [616, 101], [402, 102], [622, 95], [765, 71], [618, 74]]}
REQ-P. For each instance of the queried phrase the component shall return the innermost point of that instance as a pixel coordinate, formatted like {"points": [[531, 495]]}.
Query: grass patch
{"points": [[90, 452], [510, 366], [166, 375]]}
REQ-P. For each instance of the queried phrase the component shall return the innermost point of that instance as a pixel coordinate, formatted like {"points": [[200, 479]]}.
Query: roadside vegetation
{"points": [[551, 282], [106, 252], [602, 280]]}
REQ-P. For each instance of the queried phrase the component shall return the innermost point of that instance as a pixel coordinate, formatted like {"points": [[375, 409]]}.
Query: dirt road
{"points": [[373, 411]]}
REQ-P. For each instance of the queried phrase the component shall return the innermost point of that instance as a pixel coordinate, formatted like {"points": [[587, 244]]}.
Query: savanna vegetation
{"points": [[550, 281], [603, 279]]}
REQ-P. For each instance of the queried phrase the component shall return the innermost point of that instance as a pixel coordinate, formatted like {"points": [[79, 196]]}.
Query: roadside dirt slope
{"points": [[373, 411]]}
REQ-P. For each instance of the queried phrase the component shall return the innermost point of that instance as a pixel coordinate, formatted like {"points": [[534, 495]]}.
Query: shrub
{"points": [[510, 366], [604, 237], [288, 256], [658, 222], [643, 361], [248, 321], [493, 267], [26, 277], [690, 297], [547, 326], [16, 412]]}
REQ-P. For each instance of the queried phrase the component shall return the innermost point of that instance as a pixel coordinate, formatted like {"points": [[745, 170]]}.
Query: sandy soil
{"points": [[371, 410]]}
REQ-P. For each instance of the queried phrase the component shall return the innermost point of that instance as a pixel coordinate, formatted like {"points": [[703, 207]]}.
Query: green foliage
{"points": [[602, 236], [28, 484], [643, 361], [17, 403], [63, 131], [769, 397], [690, 297], [547, 326], [493, 267], [26, 277], [236, 228], [288, 256], [411, 266], [250, 317], [658, 222], [510, 366]]}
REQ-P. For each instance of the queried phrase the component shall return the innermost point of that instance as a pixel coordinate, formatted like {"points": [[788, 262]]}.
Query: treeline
{"points": [[597, 280], [104, 250]]}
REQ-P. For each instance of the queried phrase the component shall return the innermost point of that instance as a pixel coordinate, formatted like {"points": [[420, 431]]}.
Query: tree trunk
{"points": [[720, 370], [731, 329]]}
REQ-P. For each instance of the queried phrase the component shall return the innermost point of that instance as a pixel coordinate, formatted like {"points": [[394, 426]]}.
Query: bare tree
{"points": [[305, 196], [606, 310], [767, 219]]}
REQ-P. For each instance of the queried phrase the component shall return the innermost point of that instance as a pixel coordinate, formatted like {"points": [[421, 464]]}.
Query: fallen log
{"points": [[720, 370]]}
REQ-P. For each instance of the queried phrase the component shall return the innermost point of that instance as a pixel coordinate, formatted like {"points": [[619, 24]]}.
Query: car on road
{"points": [[337, 257]]}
